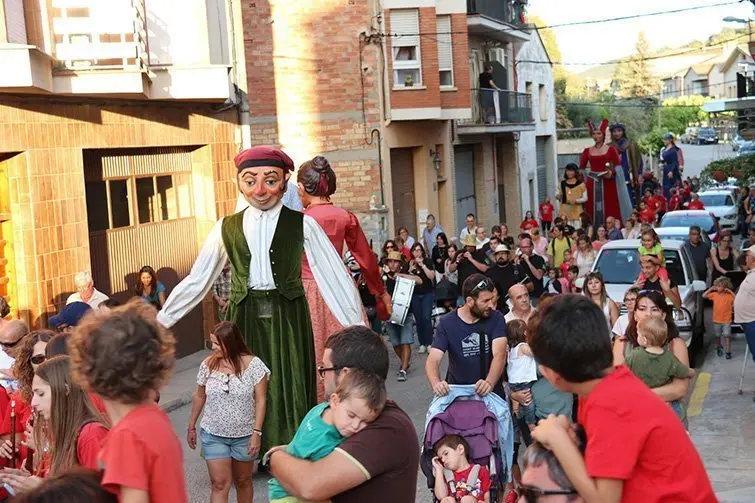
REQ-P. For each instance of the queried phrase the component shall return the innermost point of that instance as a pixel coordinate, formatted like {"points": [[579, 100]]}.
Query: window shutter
{"points": [[15, 21], [445, 52], [405, 27]]}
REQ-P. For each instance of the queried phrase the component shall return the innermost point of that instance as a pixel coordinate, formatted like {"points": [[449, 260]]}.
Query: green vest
{"points": [[286, 254]]}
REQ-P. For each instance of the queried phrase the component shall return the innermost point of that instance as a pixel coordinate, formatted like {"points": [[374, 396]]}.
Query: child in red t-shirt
{"points": [[637, 449], [660, 203], [471, 482], [649, 199], [123, 356], [647, 216], [546, 214], [675, 203], [695, 202]]}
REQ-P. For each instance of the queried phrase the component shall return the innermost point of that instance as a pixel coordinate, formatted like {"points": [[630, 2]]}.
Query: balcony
{"points": [[495, 111], [497, 19]]}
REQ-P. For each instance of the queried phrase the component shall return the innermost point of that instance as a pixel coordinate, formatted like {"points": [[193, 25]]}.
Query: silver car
{"points": [[619, 263]]}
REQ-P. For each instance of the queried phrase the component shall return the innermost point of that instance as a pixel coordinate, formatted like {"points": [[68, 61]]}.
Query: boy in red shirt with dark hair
{"points": [[637, 449], [124, 355], [660, 203], [546, 214], [675, 203], [647, 216]]}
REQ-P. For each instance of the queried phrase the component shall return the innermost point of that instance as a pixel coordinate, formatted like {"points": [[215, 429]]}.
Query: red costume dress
{"points": [[602, 195], [341, 226]]}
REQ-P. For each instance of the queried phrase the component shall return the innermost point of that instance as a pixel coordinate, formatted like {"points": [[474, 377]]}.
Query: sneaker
{"points": [[401, 375], [719, 351], [728, 356], [422, 349]]}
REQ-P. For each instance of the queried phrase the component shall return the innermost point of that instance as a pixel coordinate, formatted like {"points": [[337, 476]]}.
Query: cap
{"points": [[501, 249], [749, 249], [263, 155], [469, 241], [394, 255], [70, 315]]}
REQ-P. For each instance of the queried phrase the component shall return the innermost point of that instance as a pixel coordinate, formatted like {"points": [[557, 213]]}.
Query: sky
{"points": [[606, 41]]}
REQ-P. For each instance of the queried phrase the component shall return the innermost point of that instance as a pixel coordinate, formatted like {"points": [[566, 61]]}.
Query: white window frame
{"points": [[398, 41], [445, 43]]}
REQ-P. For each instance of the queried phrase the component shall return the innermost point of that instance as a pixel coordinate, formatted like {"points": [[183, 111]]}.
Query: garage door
{"points": [[542, 171], [402, 183], [465, 193]]}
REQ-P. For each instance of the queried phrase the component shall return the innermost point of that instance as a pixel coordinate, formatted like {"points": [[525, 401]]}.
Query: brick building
{"points": [[114, 153], [374, 87]]}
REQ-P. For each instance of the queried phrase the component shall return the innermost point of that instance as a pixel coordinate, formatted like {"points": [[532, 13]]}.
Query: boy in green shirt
{"points": [[358, 401]]}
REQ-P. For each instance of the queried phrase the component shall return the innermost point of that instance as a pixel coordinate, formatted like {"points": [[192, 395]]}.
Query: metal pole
{"points": [[660, 93]]}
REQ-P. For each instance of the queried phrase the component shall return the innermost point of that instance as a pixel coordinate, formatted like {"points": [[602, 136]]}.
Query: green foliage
{"points": [[678, 114], [652, 141], [634, 75], [741, 168]]}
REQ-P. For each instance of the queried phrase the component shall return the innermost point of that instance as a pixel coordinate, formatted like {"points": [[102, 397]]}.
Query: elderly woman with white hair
{"points": [[86, 292]]}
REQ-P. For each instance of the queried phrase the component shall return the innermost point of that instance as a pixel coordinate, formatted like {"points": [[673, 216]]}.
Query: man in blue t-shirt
{"points": [[463, 333]]}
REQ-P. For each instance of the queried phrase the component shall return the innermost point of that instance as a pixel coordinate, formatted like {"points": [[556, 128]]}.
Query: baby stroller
{"points": [[466, 414]]}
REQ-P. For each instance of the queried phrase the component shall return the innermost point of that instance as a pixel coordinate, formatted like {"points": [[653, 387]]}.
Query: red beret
{"points": [[263, 155]]}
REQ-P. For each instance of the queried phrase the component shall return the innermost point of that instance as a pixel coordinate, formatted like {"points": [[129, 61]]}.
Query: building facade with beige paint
{"points": [[117, 137]]}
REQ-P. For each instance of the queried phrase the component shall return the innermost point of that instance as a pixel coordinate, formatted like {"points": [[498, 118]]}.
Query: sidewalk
{"points": [[722, 423], [182, 383]]}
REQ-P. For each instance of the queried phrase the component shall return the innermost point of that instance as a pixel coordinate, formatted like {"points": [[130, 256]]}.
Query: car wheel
{"points": [[696, 345]]}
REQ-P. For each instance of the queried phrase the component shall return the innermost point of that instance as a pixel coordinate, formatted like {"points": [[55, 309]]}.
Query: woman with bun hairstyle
{"points": [[317, 182]]}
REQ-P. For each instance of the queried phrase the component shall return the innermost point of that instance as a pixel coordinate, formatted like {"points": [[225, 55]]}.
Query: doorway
{"points": [[402, 184], [466, 201]]}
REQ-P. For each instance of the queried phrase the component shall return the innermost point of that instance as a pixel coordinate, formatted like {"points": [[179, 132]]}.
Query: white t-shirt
{"points": [[522, 368], [621, 325], [94, 301]]}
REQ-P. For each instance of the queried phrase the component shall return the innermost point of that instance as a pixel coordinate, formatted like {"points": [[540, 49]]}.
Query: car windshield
{"points": [[622, 266], [706, 132], [705, 222], [716, 200]]}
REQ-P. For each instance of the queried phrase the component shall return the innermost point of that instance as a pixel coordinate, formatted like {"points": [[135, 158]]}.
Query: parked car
{"points": [[737, 142], [685, 218], [723, 206], [706, 136], [680, 234], [689, 136], [619, 263], [747, 148]]}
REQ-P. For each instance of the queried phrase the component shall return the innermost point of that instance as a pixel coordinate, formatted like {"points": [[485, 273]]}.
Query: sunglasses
{"points": [[38, 359], [484, 284], [225, 381], [321, 370], [10, 344], [532, 493]]}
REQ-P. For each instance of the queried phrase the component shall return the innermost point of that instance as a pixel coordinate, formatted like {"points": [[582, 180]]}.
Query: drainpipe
{"points": [[238, 73]]}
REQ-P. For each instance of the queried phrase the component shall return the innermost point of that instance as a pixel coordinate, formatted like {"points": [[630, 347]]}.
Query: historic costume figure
{"points": [[265, 245], [316, 182], [631, 160], [602, 177], [671, 160], [572, 195]]}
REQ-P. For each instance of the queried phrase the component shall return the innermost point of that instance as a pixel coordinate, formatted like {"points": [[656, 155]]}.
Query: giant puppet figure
{"points": [[265, 244], [631, 160], [599, 163]]}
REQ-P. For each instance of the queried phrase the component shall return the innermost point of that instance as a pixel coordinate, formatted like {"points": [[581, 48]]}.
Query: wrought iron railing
{"points": [[500, 10], [491, 106]]}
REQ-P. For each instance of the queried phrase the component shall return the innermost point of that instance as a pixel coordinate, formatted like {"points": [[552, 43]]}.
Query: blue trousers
{"points": [[749, 329], [422, 309]]}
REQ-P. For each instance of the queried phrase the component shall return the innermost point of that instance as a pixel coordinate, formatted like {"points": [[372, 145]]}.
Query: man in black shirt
{"points": [[650, 267], [487, 90], [469, 261], [505, 274], [532, 265], [699, 251]]}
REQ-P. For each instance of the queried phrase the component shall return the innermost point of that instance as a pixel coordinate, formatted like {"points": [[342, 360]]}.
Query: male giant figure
{"points": [[631, 160], [265, 244]]}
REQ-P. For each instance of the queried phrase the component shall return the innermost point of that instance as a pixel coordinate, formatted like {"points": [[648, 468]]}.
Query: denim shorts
{"points": [[400, 335], [722, 329], [215, 447]]}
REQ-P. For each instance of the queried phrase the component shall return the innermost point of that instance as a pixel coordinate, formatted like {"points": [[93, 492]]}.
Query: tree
{"points": [[560, 75], [741, 168], [633, 75]]}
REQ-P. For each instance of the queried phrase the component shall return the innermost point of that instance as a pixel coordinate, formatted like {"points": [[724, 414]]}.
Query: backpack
{"points": [[553, 245]]}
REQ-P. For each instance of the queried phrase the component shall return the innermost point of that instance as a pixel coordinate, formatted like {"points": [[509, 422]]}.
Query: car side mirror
{"points": [[699, 285]]}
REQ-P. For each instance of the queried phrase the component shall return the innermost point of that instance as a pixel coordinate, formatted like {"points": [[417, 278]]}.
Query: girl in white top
{"points": [[621, 325], [595, 288], [522, 369], [584, 257], [232, 383]]}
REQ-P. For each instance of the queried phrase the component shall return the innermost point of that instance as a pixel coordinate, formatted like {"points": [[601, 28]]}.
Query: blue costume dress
{"points": [[670, 158], [622, 146]]}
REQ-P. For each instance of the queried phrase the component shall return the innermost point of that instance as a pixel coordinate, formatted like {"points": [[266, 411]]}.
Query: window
{"points": [[158, 198], [407, 70], [543, 99], [445, 51]]}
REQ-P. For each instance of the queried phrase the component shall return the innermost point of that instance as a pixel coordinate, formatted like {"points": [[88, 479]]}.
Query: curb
{"points": [[177, 403]]}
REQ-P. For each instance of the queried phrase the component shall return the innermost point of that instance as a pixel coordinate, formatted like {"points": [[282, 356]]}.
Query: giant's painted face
{"points": [[263, 186]]}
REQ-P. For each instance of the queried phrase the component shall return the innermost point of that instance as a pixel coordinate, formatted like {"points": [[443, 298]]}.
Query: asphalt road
{"points": [[696, 157]]}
